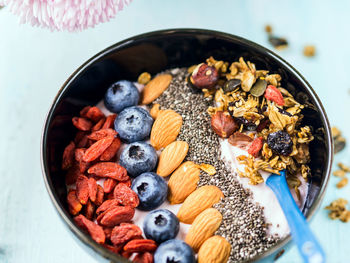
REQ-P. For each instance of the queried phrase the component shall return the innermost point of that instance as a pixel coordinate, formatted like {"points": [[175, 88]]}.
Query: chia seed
{"points": [[243, 223]]}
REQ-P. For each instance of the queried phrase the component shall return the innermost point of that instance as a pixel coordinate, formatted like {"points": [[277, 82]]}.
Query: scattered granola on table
{"points": [[277, 42], [309, 51], [338, 210], [339, 140]]}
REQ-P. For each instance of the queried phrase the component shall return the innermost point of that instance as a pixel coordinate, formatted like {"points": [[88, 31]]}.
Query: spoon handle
{"points": [[308, 246]]}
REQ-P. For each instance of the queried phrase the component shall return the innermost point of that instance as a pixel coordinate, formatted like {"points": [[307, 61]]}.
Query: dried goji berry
{"points": [[124, 233], [109, 169], [68, 156], [79, 153], [95, 114], [84, 111], [95, 231], [108, 232], [125, 254], [74, 206], [103, 133], [143, 258], [98, 125], [116, 215], [110, 196], [92, 189], [82, 123], [109, 184], [273, 94], [113, 249], [99, 196], [89, 210], [72, 174], [82, 189], [127, 183], [107, 205], [256, 146], [111, 151], [126, 196], [109, 123], [95, 150], [81, 139], [140, 245]]}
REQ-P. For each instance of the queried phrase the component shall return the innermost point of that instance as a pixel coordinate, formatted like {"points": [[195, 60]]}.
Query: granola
{"points": [[338, 210]]}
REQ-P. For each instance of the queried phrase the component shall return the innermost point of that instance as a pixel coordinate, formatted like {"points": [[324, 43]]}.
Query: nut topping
{"points": [[223, 124], [204, 76]]}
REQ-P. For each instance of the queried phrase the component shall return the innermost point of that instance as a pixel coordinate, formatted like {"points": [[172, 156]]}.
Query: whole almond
{"points": [[214, 250], [155, 88], [204, 197], [183, 182], [203, 227], [171, 157], [165, 128]]}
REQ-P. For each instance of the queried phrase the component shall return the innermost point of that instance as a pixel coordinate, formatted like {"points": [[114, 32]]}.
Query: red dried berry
{"points": [[68, 156], [79, 154], [116, 215], [82, 189], [256, 146], [95, 150], [95, 231], [109, 123], [111, 151], [113, 249], [74, 206], [107, 205], [108, 232], [109, 169], [124, 233], [101, 134], [89, 210], [127, 183], [140, 245], [273, 94], [126, 196], [92, 189], [98, 125], [82, 123], [94, 114], [143, 258], [84, 111], [109, 184], [99, 196]]}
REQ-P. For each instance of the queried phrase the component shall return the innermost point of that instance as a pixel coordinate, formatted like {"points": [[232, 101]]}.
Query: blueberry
{"points": [[138, 158], [174, 250], [121, 95], [151, 189], [280, 142], [133, 124], [161, 225]]}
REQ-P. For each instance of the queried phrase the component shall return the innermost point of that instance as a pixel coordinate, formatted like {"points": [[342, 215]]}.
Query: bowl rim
{"points": [[85, 238]]}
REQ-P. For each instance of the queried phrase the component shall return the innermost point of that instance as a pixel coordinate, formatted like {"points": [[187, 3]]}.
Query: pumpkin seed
{"points": [[259, 88], [231, 85]]}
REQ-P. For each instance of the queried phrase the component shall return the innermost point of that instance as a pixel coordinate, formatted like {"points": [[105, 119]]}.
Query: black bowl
{"points": [[154, 52]]}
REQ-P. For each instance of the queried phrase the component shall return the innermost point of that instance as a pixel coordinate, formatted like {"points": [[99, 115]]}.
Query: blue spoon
{"points": [[308, 246]]}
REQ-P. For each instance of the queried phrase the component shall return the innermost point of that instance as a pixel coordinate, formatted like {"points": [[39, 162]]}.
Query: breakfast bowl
{"points": [[153, 53]]}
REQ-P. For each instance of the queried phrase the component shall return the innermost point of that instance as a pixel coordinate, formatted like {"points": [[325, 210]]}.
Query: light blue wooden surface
{"points": [[34, 63]]}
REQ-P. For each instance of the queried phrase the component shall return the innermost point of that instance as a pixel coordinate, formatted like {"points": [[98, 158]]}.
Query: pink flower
{"points": [[71, 15]]}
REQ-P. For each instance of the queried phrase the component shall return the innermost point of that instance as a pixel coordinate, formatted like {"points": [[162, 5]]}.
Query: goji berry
{"points": [[107, 205], [273, 94], [81, 139], [92, 189], [111, 151], [74, 206], [82, 123], [99, 196], [103, 133], [89, 210], [109, 184], [127, 183], [256, 146], [68, 156], [95, 150], [79, 153], [125, 254], [98, 125], [82, 189], [109, 169], [113, 249], [95, 231], [108, 232], [116, 215], [143, 258], [124, 233], [84, 111], [109, 123], [94, 114], [140, 245], [126, 196]]}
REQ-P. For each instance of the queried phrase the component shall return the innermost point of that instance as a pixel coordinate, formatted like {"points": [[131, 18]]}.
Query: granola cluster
{"points": [[263, 109]]}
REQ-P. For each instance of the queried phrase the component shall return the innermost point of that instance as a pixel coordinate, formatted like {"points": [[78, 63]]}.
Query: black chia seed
{"points": [[243, 222]]}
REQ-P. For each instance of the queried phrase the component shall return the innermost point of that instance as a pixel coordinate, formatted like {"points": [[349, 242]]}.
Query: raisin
{"points": [[280, 142]]}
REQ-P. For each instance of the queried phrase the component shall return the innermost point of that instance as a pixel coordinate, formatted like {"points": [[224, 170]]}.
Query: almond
{"points": [[165, 128], [183, 182], [214, 250], [204, 197], [155, 110], [203, 227], [171, 157], [155, 88]]}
